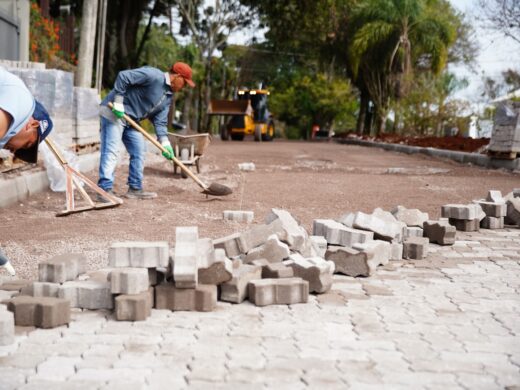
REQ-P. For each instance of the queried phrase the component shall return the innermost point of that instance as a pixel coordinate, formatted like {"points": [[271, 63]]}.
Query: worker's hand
{"points": [[118, 108], [169, 154]]}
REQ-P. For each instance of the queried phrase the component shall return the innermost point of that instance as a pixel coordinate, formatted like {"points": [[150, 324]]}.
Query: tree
{"points": [[123, 19], [209, 27], [502, 16], [507, 82], [317, 99], [390, 39], [428, 108]]}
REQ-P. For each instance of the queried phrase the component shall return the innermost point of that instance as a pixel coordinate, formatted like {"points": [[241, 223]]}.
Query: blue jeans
{"points": [[111, 135], [3, 259]]}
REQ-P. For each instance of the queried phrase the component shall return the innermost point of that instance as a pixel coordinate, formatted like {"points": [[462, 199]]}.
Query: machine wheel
{"points": [[269, 135], [237, 137], [258, 133], [224, 133]]}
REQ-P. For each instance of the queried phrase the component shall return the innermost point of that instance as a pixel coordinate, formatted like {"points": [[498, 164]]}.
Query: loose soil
{"points": [[460, 144], [311, 180]]}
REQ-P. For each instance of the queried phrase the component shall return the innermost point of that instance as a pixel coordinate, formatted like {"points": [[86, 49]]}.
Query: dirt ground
{"points": [[311, 180], [460, 144]]}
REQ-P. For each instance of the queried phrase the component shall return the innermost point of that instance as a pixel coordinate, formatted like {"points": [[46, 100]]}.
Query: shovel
{"points": [[215, 189]]}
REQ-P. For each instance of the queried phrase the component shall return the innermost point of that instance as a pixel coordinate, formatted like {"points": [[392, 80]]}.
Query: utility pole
{"points": [[87, 43], [102, 24]]}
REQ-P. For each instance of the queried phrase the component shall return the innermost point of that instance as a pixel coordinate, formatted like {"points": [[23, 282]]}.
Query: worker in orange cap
{"points": [[143, 93]]}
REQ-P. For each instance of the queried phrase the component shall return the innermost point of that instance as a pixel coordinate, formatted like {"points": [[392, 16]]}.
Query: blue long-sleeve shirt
{"points": [[17, 101], [147, 95]]}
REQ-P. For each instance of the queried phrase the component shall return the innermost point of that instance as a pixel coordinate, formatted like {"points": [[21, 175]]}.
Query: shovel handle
{"points": [[183, 167]]}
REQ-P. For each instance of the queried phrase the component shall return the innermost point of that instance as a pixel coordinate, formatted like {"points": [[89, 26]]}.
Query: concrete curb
{"points": [[461, 157], [20, 188]]}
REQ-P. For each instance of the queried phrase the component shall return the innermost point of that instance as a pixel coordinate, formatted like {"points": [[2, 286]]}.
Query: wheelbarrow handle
{"points": [[183, 167]]}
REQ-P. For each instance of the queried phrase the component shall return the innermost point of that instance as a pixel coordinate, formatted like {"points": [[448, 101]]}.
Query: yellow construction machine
{"points": [[249, 116]]}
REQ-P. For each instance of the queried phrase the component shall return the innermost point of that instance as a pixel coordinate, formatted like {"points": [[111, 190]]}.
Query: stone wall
{"points": [[506, 130], [74, 110]]}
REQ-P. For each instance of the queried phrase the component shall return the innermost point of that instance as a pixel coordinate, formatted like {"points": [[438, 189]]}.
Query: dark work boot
{"points": [[102, 199], [139, 194]]}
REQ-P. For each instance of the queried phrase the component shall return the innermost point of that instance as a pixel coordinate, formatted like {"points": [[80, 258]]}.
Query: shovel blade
{"points": [[217, 189]]}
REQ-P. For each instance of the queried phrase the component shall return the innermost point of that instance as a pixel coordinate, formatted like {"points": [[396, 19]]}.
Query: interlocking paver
{"points": [[447, 321]]}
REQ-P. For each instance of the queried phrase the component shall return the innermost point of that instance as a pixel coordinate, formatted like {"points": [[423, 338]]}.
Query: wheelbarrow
{"points": [[189, 148]]}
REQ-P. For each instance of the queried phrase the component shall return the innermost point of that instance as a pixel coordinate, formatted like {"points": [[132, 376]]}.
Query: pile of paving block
{"points": [[276, 262], [490, 213]]}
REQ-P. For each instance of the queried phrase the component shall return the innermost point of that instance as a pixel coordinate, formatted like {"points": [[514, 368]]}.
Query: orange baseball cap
{"points": [[185, 71]]}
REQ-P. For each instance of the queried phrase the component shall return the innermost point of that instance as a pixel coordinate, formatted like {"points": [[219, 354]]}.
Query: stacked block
{"points": [[273, 270], [141, 254], [185, 271], [464, 217], [6, 326], [201, 298], [319, 244], [349, 261], [278, 291], [62, 268], [378, 253], [88, 294], [382, 229], [415, 248], [495, 208], [217, 269], [239, 216], [273, 251], [41, 289], [135, 307], [229, 244], [129, 280], [317, 271], [411, 217], [293, 233], [338, 234], [439, 232], [41, 312], [513, 210], [506, 129], [235, 290]]}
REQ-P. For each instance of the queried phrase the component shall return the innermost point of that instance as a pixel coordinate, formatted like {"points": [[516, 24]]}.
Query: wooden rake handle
{"points": [[183, 167]]}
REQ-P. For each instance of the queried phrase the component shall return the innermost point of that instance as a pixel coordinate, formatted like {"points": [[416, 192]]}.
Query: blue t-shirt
{"points": [[15, 99]]}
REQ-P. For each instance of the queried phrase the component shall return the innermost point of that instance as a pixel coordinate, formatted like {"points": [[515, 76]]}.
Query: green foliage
{"points": [[427, 109], [160, 50], [392, 39], [313, 100]]}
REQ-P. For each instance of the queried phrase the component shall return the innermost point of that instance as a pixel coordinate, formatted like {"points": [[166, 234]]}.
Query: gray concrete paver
{"points": [[451, 324]]}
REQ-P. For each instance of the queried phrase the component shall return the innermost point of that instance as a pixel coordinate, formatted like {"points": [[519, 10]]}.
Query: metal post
{"points": [[101, 43]]}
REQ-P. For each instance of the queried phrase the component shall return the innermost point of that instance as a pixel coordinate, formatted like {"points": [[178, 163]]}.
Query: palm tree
{"points": [[390, 38]]}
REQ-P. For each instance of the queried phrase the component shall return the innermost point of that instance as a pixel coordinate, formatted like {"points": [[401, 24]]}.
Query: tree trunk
{"points": [[87, 43], [207, 95], [363, 108], [186, 111], [369, 118], [380, 122], [144, 38], [397, 118]]}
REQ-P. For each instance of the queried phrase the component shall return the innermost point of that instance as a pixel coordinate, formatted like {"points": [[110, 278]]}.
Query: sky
{"points": [[496, 54]]}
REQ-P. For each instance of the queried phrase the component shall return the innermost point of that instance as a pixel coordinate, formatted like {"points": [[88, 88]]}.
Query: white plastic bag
{"points": [[55, 172]]}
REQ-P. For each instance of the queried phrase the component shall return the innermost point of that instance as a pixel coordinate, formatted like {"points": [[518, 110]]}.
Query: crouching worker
{"points": [[143, 93], [24, 122], [5, 263]]}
